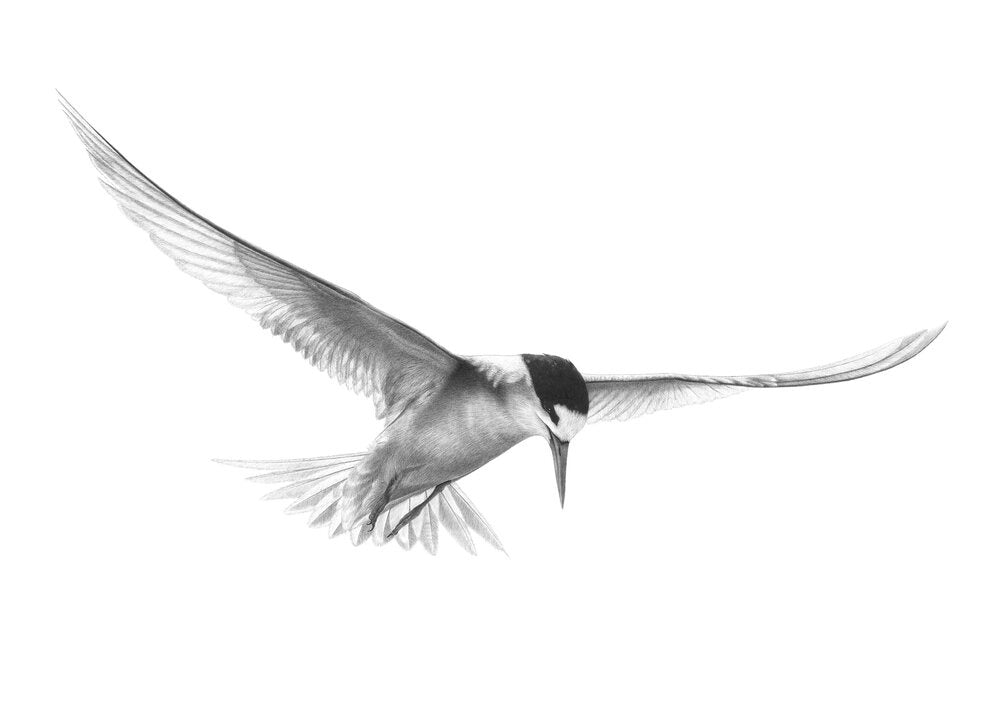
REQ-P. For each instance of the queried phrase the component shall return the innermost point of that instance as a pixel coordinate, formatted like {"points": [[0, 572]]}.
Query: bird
{"points": [[445, 415]]}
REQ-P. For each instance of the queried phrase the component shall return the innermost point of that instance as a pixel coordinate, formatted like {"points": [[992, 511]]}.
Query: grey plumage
{"points": [[363, 348], [314, 485], [623, 397], [445, 415]]}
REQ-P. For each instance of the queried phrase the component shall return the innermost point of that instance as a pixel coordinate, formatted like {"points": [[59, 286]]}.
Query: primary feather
{"points": [[623, 397], [365, 349]]}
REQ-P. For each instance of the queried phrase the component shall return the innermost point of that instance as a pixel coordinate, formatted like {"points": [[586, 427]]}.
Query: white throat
{"points": [[570, 423]]}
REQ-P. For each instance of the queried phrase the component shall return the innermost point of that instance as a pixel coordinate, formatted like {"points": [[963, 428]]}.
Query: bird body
{"points": [[455, 430], [445, 415], [483, 409]]}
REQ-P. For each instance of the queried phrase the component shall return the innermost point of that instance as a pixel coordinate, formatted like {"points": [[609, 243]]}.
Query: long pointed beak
{"points": [[560, 451]]}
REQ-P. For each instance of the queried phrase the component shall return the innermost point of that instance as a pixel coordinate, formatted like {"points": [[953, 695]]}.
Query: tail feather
{"points": [[323, 514], [289, 464], [429, 533], [360, 533], [406, 537], [476, 521], [450, 508], [316, 485], [316, 503], [452, 520], [295, 470], [304, 488]]}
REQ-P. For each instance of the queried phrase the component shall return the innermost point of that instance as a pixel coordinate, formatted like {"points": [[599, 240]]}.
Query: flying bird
{"points": [[445, 415]]}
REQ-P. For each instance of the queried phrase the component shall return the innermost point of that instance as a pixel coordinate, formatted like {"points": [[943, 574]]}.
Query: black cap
{"points": [[557, 381]]}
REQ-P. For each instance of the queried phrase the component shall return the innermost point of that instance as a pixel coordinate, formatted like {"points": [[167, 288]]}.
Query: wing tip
{"points": [[933, 333], [71, 112], [920, 341]]}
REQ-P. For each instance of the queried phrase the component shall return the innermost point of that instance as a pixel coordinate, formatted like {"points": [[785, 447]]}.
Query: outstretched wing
{"points": [[623, 397], [335, 330]]}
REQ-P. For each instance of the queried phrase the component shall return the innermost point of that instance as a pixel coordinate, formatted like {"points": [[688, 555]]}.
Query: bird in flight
{"points": [[446, 415]]}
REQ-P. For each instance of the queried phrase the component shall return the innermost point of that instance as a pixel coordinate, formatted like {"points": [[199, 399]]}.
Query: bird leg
{"points": [[413, 513]]}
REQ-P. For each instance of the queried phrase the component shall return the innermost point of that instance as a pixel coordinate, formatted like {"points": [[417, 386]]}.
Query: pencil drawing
{"points": [[445, 415]]}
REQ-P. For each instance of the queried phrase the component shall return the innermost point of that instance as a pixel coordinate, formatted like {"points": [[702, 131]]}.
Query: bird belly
{"points": [[450, 438], [460, 429]]}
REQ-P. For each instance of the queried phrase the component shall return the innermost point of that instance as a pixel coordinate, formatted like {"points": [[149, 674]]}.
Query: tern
{"points": [[445, 415]]}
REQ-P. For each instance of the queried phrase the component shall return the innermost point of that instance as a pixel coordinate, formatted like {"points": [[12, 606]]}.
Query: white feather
{"points": [[623, 397]]}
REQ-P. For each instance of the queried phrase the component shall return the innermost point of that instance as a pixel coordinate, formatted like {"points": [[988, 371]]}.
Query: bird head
{"points": [[562, 406]]}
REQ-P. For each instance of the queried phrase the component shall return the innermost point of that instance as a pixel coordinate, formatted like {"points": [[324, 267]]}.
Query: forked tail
{"points": [[316, 485]]}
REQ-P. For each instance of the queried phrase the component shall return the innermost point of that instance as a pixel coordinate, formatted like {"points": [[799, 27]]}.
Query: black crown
{"points": [[557, 381]]}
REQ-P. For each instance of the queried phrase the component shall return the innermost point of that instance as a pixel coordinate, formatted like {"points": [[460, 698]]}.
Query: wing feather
{"points": [[622, 397], [336, 331]]}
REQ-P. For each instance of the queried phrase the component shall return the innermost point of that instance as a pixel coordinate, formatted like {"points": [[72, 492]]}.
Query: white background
{"points": [[717, 188]]}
